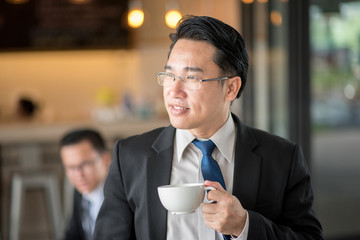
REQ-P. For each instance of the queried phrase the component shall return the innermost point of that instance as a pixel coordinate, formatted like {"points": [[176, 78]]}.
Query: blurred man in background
{"points": [[86, 162]]}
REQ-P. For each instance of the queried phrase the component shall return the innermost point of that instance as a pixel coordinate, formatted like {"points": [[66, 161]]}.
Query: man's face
{"points": [[84, 166], [202, 111]]}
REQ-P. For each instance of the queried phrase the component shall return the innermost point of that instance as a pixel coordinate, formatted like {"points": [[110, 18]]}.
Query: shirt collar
{"points": [[224, 139], [96, 195], [227, 131], [183, 138]]}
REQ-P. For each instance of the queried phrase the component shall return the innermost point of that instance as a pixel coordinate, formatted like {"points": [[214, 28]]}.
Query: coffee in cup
{"points": [[183, 198]]}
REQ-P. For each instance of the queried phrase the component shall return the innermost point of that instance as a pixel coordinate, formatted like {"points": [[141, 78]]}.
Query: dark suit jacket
{"points": [[74, 230], [271, 180]]}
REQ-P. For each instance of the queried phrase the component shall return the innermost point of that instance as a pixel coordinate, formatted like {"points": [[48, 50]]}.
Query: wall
{"points": [[68, 83]]}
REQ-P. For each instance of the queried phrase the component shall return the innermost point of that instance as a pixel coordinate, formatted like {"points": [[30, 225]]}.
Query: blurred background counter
{"points": [[20, 133]]}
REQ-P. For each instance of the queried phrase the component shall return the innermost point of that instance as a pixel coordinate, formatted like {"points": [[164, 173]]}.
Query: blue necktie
{"points": [[210, 169]]}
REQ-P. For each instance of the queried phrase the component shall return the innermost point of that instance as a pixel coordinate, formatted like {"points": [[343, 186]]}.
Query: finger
{"points": [[210, 208], [215, 185], [216, 195], [211, 218], [214, 221]]}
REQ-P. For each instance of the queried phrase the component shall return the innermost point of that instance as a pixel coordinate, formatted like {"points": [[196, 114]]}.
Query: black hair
{"points": [[231, 55], [79, 135]]}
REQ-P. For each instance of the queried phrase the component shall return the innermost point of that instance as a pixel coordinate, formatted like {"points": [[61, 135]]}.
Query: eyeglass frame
{"points": [[82, 167], [182, 80]]}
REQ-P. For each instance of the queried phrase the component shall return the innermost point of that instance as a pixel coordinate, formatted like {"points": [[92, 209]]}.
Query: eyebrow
{"points": [[188, 69]]}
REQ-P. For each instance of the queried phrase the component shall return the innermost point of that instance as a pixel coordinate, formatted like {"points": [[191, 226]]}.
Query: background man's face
{"points": [[84, 166], [202, 111]]}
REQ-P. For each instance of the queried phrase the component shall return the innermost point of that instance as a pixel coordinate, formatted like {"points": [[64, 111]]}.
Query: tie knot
{"points": [[86, 204], [206, 147]]}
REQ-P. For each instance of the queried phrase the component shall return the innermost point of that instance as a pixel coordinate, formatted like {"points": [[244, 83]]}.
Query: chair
{"points": [[45, 181]]}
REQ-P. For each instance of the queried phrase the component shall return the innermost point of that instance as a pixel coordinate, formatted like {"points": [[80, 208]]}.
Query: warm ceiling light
{"points": [[172, 17], [17, 1], [135, 18], [247, 1], [276, 18]]}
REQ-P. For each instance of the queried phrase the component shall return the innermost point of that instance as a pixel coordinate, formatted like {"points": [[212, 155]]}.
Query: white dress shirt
{"points": [[186, 168], [96, 197]]}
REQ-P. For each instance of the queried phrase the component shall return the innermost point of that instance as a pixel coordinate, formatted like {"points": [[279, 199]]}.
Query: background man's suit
{"points": [[271, 180], [74, 230]]}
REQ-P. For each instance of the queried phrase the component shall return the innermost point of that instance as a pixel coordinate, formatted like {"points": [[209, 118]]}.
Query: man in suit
{"points": [[268, 192], [86, 162]]}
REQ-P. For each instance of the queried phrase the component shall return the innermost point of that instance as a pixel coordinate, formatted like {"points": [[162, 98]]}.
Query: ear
{"points": [[233, 87]]}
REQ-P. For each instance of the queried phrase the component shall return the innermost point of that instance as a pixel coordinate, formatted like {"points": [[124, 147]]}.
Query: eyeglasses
{"points": [[166, 79], [85, 166]]}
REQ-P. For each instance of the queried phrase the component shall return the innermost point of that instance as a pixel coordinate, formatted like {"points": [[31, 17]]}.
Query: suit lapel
{"points": [[247, 167], [77, 212], [159, 172]]}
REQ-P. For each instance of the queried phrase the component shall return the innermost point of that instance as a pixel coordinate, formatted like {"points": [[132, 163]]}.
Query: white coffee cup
{"points": [[183, 198]]}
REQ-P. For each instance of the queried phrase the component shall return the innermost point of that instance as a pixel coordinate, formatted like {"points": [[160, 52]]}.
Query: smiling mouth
{"points": [[177, 110], [178, 107]]}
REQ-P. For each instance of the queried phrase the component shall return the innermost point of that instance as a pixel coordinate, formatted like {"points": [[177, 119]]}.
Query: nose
{"points": [[177, 88], [177, 84]]}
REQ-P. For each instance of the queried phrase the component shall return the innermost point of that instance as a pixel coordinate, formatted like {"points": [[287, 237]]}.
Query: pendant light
{"points": [[135, 15], [173, 14]]}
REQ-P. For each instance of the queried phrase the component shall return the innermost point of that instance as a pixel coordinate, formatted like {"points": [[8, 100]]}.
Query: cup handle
{"points": [[206, 200]]}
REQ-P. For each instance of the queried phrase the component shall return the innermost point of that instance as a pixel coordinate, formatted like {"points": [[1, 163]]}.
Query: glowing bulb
{"points": [[276, 18], [136, 18], [17, 1], [172, 17], [247, 1]]}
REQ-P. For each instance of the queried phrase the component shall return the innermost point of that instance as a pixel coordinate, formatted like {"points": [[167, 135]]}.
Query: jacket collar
{"points": [[247, 166], [159, 172]]}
